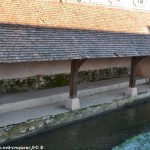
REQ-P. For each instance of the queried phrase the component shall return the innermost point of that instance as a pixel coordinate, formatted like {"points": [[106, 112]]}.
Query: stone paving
{"points": [[18, 101], [23, 115]]}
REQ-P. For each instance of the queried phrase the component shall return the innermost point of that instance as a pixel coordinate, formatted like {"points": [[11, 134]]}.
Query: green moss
{"points": [[1, 82], [56, 81], [122, 71], [31, 83], [42, 82], [60, 80], [24, 126], [93, 76], [16, 85]]}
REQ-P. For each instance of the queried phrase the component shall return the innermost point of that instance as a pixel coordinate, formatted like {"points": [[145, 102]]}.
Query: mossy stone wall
{"points": [[51, 81]]}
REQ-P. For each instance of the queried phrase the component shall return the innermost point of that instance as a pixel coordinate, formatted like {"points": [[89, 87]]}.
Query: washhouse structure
{"points": [[57, 36]]}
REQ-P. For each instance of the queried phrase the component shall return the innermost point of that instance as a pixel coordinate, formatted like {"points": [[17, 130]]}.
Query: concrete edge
{"points": [[34, 126], [61, 97], [31, 103]]}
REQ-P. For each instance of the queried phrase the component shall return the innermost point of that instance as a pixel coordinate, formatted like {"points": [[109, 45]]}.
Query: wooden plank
{"points": [[73, 79], [134, 63]]}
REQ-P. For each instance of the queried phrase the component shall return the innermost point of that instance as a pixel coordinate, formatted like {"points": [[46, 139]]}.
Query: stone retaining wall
{"points": [[51, 81], [12, 132]]}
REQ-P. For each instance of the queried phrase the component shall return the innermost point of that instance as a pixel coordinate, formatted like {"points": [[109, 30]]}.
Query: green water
{"points": [[139, 142], [100, 133]]}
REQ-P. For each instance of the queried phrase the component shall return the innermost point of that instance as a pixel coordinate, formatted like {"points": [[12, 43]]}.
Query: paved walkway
{"points": [[18, 101], [87, 89], [23, 115]]}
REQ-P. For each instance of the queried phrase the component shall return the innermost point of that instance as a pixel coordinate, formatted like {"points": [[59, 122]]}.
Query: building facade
{"points": [[53, 37], [128, 4]]}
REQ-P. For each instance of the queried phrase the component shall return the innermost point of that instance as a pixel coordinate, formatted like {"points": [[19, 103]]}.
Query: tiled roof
{"points": [[27, 44], [53, 13], [69, 31]]}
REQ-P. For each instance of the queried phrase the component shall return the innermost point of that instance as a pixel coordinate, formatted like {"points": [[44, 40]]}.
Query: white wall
{"points": [[131, 4], [19, 70], [122, 3], [146, 3], [94, 64], [105, 2], [144, 67]]}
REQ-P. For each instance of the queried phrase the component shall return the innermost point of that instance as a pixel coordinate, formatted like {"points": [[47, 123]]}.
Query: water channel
{"points": [[102, 132]]}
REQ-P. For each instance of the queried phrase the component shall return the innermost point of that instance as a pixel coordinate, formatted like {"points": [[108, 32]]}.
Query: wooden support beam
{"points": [[134, 63], [74, 79], [75, 65], [81, 62]]}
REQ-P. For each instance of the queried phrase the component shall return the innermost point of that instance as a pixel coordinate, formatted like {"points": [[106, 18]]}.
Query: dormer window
{"points": [[115, 2], [140, 1]]}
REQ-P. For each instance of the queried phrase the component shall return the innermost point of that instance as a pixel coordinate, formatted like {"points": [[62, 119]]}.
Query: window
{"points": [[140, 1]]}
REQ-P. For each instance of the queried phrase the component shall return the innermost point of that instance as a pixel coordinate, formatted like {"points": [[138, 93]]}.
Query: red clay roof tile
{"points": [[52, 13]]}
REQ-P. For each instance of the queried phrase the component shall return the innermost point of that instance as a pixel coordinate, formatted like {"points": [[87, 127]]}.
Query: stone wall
{"points": [[51, 81]]}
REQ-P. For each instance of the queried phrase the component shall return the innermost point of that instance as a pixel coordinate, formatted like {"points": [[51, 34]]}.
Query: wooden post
{"points": [[133, 72], [74, 79], [134, 63], [75, 65], [73, 103]]}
